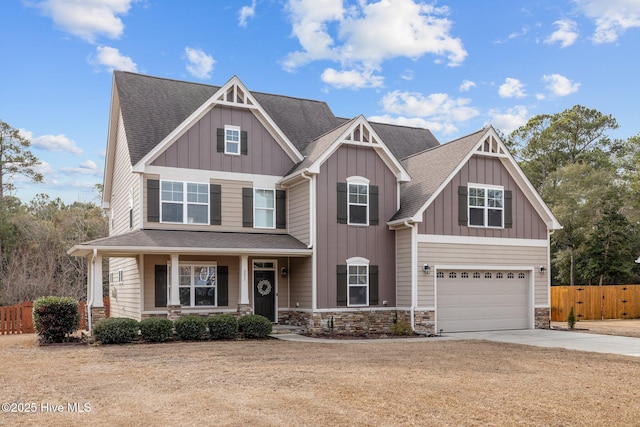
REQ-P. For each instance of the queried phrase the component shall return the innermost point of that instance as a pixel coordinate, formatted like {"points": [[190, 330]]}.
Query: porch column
{"points": [[174, 309], [243, 299], [96, 285]]}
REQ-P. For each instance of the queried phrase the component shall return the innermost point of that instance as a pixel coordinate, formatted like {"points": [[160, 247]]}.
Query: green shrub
{"points": [[401, 327], [571, 319], [55, 317], [156, 329], [115, 330], [190, 328], [222, 327], [254, 326]]}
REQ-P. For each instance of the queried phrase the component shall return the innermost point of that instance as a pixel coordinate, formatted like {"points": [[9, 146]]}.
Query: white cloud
{"points": [[466, 85], [444, 128], [87, 19], [612, 17], [111, 58], [351, 79], [56, 143], [511, 88], [246, 12], [407, 75], [566, 33], [437, 111], [87, 167], [559, 85], [403, 28], [509, 120], [200, 64]]}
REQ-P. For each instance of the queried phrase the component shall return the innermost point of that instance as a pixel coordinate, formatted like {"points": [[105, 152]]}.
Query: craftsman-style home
{"points": [[224, 200]]}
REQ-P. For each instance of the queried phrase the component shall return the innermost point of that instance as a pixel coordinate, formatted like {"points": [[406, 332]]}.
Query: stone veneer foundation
{"points": [[543, 318]]}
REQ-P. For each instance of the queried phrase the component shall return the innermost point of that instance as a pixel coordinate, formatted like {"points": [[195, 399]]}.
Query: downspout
{"points": [[312, 238], [414, 279], [90, 290]]}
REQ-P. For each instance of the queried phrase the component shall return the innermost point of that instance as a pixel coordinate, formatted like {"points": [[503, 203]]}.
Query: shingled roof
{"points": [[152, 107], [429, 170]]}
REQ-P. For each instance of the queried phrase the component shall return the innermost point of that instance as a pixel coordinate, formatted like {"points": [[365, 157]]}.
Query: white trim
{"points": [[133, 251], [358, 262], [388, 158], [273, 191], [347, 310], [178, 174], [239, 142], [192, 286], [356, 181], [252, 105], [314, 249], [472, 240], [485, 208]]}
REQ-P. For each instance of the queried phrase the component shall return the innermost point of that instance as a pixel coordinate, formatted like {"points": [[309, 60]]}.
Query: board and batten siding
{"points": [[338, 242], [450, 255], [300, 272], [403, 267], [196, 148], [125, 296], [441, 217], [298, 203]]}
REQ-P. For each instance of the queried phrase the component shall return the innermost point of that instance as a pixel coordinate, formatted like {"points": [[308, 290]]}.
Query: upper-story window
{"points": [[358, 200], [232, 140], [184, 202], [264, 215], [486, 206]]}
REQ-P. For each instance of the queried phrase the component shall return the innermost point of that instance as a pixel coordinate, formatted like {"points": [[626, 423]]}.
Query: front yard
{"points": [[274, 383]]}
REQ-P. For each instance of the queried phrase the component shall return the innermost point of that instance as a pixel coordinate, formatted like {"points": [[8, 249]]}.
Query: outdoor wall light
{"points": [[284, 272], [426, 269], [543, 269]]}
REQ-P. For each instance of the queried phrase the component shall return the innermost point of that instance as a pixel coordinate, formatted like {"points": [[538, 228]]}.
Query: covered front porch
{"points": [[173, 273]]}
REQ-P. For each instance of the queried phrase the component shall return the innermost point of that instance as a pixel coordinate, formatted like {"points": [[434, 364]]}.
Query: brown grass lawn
{"points": [[273, 383]]}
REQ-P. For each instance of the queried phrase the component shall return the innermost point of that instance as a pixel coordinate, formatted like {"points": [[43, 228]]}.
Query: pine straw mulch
{"points": [[273, 383]]}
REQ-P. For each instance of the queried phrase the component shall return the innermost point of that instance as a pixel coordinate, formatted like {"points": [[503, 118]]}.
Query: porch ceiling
{"points": [[192, 242]]}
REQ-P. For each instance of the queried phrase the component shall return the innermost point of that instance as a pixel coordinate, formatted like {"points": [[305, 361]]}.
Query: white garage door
{"points": [[482, 300]]}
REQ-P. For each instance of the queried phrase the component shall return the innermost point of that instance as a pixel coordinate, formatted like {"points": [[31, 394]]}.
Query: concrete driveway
{"points": [[610, 344]]}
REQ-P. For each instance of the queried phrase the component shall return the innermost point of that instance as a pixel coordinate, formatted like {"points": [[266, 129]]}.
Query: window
{"points": [[452, 275], [197, 285], [510, 276], [487, 275], [440, 274], [358, 203], [521, 276], [232, 140], [264, 208], [499, 276], [358, 284], [476, 275], [486, 207], [464, 275], [111, 277], [175, 207], [120, 276]]}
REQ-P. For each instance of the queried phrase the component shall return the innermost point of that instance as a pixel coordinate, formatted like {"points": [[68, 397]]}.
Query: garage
{"points": [[468, 300]]}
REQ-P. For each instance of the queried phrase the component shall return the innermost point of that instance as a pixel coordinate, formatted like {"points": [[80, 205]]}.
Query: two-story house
{"points": [[223, 200]]}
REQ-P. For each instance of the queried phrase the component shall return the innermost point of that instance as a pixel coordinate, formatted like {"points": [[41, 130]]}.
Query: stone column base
{"points": [[244, 309], [174, 312], [543, 318], [98, 314]]}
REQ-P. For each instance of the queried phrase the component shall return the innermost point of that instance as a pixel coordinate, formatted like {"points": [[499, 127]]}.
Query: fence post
{"points": [[27, 318]]}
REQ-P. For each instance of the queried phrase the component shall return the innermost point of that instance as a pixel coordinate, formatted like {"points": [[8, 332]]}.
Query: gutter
{"points": [[414, 279]]}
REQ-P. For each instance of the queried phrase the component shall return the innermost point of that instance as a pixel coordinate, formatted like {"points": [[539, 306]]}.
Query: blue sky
{"points": [[450, 66]]}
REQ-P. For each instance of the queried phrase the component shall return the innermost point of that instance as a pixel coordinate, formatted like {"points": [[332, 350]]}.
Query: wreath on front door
{"points": [[264, 287]]}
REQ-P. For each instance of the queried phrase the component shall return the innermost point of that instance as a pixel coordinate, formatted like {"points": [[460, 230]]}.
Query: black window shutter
{"points": [[342, 203], [161, 285], [153, 200], [215, 200], [223, 286], [373, 205], [508, 209], [342, 286], [220, 142], [373, 285], [247, 207], [244, 145], [281, 209], [130, 218], [463, 218]]}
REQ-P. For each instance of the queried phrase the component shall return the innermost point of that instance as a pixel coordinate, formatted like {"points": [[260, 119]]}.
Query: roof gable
{"points": [[433, 169], [357, 131]]}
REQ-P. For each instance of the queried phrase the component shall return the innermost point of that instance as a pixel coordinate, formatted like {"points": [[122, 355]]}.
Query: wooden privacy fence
{"points": [[595, 302], [18, 319]]}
